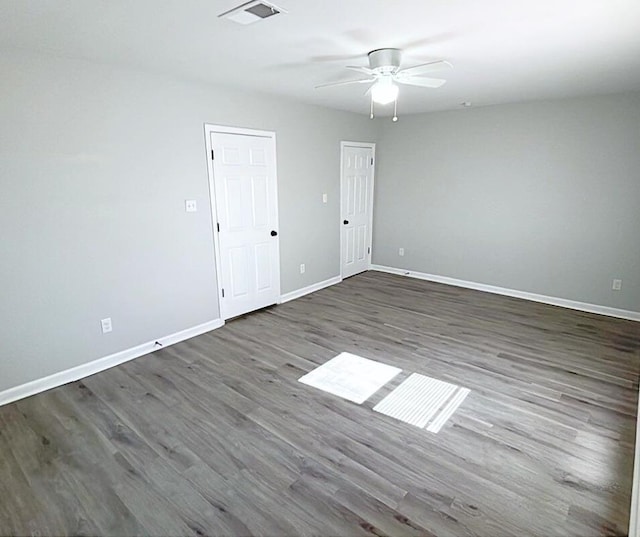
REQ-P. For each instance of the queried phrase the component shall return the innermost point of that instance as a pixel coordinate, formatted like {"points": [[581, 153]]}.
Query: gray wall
{"points": [[540, 197], [95, 165]]}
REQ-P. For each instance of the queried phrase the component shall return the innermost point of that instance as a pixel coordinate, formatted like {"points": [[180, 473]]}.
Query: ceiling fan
{"points": [[385, 74]]}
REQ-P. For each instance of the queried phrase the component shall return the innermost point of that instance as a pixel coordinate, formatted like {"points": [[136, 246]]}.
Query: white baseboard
{"points": [[309, 289], [571, 304], [107, 362]]}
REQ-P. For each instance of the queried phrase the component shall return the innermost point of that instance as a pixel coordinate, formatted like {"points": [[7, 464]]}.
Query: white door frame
{"points": [[372, 146], [209, 129]]}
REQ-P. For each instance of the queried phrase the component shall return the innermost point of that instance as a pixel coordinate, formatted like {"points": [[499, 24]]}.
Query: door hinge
{"points": [[372, 161], [213, 156], [223, 293], [368, 249], [218, 226]]}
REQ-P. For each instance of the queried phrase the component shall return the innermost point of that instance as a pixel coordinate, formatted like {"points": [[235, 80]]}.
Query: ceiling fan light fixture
{"points": [[384, 91]]}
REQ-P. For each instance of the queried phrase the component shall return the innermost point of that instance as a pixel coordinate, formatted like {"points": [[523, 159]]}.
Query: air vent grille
{"points": [[262, 10], [252, 12]]}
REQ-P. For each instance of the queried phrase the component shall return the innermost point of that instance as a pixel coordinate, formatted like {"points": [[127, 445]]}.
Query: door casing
{"points": [[368, 145], [209, 129]]}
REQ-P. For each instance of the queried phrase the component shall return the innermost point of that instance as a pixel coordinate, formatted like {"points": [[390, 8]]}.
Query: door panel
{"points": [[239, 280], [245, 194], [260, 201], [357, 201], [351, 195], [257, 157], [230, 156], [362, 243], [263, 267], [349, 245], [362, 194], [234, 206]]}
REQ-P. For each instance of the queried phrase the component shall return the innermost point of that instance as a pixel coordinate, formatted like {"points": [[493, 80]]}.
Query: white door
{"points": [[246, 201], [357, 207]]}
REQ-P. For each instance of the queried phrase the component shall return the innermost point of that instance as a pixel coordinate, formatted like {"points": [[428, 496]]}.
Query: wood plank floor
{"points": [[215, 436]]}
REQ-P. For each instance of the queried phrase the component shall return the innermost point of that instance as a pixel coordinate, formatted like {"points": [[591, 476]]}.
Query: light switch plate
{"points": [[190, 206], [106, 325], [324, 198]]}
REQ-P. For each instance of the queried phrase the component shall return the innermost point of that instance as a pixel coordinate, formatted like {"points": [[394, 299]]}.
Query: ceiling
{"points": [[502, 50]]}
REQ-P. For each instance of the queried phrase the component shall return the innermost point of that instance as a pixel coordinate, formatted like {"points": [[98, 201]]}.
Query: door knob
{"points": [[274, 233], [346, 222]]}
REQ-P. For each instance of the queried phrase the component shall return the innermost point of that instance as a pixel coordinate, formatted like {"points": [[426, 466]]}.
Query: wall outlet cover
{"points": [[190, 206]]}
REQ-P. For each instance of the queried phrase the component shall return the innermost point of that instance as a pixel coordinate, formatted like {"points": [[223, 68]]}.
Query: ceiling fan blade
{"points": [[360, 69], [344, 83], [423, 82], [426, 68]]}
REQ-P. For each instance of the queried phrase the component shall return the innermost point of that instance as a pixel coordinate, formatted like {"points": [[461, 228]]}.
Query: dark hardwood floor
{"points": [[215, 436]]}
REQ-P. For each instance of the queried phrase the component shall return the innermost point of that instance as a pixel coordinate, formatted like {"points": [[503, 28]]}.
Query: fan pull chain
{"points": [[371, 116], [395, 110]]}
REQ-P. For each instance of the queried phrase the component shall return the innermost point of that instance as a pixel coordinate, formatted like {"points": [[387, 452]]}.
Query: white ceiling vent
{"points": [[251, 12]]}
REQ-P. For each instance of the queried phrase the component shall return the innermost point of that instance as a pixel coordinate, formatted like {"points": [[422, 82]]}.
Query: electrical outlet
{"points": [[302, 268], [106, 325], [324, 198], [190, 206], [400, 251], [617, 285]]}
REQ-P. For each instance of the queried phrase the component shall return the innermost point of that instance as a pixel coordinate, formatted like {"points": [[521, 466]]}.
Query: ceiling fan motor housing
{"points": [[385, 60]]}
